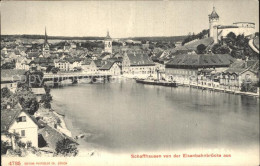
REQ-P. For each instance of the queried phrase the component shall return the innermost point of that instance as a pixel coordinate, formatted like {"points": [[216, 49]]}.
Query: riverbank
{"points": [[218, 89]]}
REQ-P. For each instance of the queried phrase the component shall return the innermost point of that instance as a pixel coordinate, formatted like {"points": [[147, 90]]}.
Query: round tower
{"points": [[213, 21]]}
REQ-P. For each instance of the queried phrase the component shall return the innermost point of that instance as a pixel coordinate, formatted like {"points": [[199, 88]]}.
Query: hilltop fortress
{"points": [[217, 32]]}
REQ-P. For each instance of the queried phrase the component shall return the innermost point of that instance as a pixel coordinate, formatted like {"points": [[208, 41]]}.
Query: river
{"points": [[130, 117]]}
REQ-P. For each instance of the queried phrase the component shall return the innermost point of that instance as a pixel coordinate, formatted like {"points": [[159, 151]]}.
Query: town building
{"points": [[240, 72], [22, 63], [110, 68], [89, 66], [61, 64], [137, 65], [184, 68], [10, 78]]}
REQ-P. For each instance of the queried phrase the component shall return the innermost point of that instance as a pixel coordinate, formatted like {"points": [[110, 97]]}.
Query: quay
{"points": [[217, 89]]}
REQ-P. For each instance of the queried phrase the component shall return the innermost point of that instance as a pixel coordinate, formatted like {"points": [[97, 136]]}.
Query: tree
{"points": [[5, 92], [34, 79], [8, 65], [219, 49], [55, 70], [27, 100], [231, 35], [66, 147], [46, 100], [30, 105], [49, 68], [4, 147], [201, 49]]}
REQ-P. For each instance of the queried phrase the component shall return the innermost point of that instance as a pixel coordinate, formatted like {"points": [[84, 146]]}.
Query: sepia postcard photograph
{"points": [[157, 82]]}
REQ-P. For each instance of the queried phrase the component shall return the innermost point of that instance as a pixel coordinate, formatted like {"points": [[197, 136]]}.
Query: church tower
{"points": [[46, 47], [213, 21], [108, 43]]}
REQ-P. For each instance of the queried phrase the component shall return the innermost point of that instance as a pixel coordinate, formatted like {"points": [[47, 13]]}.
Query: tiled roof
{"points": [[38, 91], [52, 136], [139, 59], [11, 74], [98, 63], [240, 66], [199, 61], [87, 62], [256, 42], [107, 66], [7, 117], [214, 14], [33, 54]]}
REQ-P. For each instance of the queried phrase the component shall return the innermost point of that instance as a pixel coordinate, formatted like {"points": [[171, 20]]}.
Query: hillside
{"points": [[159, 38], [37, 37]]}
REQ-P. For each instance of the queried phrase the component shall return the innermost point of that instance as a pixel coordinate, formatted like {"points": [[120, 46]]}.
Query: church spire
{"points": [[45, 38]]}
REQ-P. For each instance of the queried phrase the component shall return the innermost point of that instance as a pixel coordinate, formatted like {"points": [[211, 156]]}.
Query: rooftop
{"points": [[200, 61], [12, 74], [139, 59], [213, 14]]}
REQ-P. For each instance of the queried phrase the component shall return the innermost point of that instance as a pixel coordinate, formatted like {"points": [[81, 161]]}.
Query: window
{"points": [[23, 133], [21, 119]]}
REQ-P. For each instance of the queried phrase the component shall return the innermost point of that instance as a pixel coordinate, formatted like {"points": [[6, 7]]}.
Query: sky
{"points": [[121, 18]]}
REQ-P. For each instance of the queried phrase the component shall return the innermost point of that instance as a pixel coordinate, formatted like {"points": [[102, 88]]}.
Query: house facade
{"points": [[110, 68], [19, 122], [137, 65], [185, 68], [89, 66]]}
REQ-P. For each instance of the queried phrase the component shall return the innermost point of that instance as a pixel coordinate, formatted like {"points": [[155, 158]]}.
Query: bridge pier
{"points": [[56, 82], [74, 80]]}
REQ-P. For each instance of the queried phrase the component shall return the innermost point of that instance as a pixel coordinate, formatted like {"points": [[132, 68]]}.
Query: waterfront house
{"points": [[15, 120], [240, 72], [184, 68], [63, 65], [137, 65], [89, 66], [110, 68]]}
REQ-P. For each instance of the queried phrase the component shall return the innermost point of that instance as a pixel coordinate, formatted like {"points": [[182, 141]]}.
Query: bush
{"points": [[28, 144], [66, 147], [4, 147], [21, 144], [201, 49]]}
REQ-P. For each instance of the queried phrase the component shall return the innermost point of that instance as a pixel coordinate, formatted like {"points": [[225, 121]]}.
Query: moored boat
{"points": [[157, 82]]}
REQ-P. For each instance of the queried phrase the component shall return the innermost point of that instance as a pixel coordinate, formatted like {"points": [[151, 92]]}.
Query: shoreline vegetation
{"points": [[34, 99]]}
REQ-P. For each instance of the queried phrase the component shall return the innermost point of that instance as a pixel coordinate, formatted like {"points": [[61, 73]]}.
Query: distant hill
{"points": [[161, 38], [52, 37]]}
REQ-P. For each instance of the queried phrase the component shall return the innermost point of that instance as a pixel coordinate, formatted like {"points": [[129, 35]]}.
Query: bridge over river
{"points": [[74, 77]]}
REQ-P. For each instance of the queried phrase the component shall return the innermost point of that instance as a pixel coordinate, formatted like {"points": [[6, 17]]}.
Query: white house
{"points": [[110, 68], [89, 66], [18, 121], [137, 65]]}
